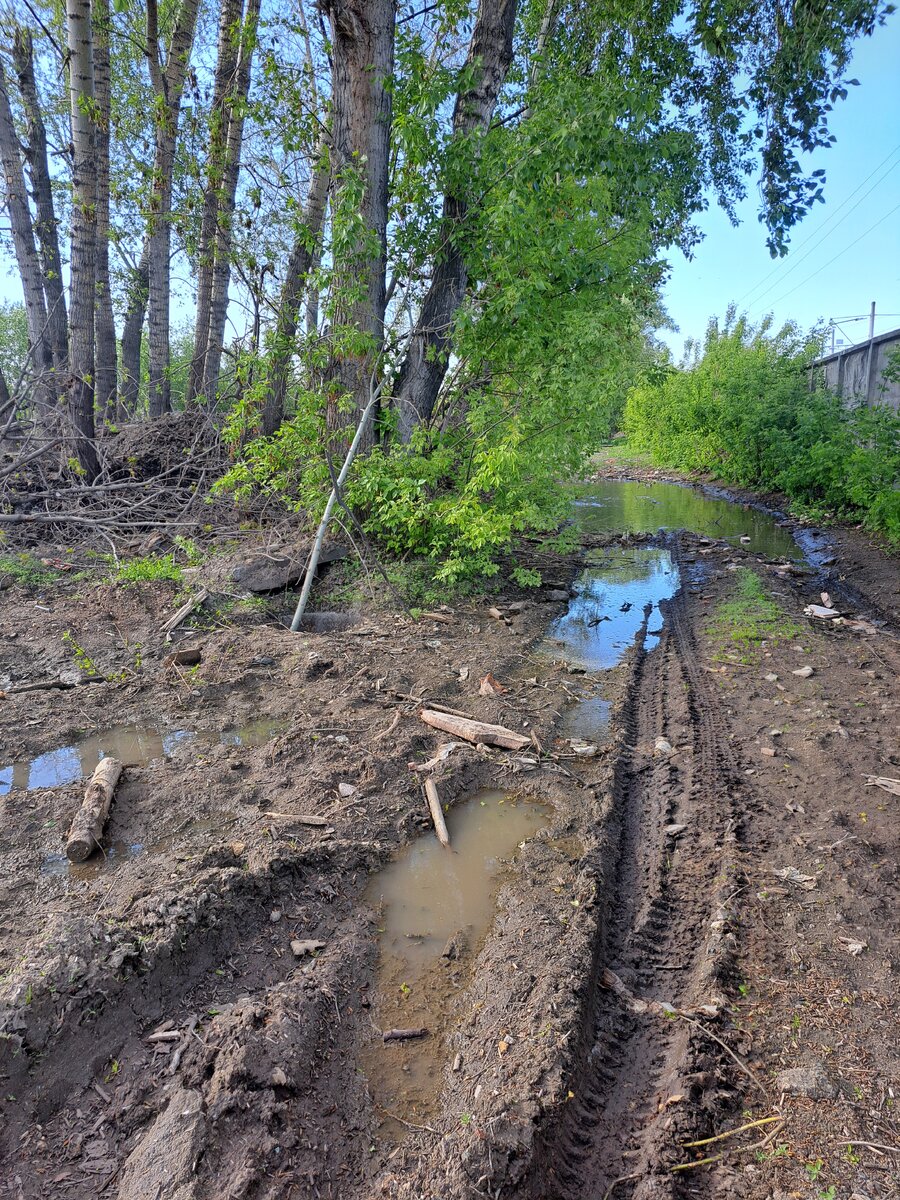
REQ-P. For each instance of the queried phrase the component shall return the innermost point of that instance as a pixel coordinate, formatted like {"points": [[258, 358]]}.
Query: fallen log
{"points": [[474, 731], [185, 611], [87, 826], [402, 1035], [437, 814]]}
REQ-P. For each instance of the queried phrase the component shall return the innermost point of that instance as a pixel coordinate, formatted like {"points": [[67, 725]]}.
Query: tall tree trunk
{"points": [[132, 331], [105, 351], [221, 276], [362, 38], [83, 253], [168, 86], [25, 249], [46, 226], [425, 365], [226, 65], [303, 257]]}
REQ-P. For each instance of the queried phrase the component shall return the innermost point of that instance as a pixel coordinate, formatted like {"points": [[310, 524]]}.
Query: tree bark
{"points": [[362, 36], [132, 330], [25, 249], [83, 252], [425, 365], [222, 250], [46, 226], [87, 827], [303, 257], [105, 351], [168, 86], [226, 65]]}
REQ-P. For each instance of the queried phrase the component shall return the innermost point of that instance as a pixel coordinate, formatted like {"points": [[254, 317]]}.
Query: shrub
{"points": [[744, 413]]}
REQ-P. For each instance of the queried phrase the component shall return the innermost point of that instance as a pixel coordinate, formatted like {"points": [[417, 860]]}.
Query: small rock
{"points": [[675, 830], [768, 752], [464, 673], [803, 672], [278, 1078], [262, 660], [275, 916], [583, 749], [771, 677], [346, 790], [556, 594], [575, 669], [434, 643], [813, 1082], [341, 739], [745, 540], [301, 946], [663, 746]]}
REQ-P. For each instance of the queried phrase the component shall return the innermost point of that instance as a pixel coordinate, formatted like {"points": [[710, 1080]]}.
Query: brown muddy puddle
{"points": [[134, 745], [437, 906]]}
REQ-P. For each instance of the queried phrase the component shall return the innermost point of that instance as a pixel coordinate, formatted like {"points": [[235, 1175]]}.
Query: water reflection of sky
{"points": [[135, 745], [607, 610]]}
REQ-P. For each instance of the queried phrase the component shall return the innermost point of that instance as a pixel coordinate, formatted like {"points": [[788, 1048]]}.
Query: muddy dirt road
{"points": [[659, 959]]}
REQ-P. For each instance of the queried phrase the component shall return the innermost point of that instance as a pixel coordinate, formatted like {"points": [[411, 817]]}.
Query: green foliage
{"points": [[13, 341], [26, 570], [149, 569], [83, 660], [750, 617], [744, 413]]}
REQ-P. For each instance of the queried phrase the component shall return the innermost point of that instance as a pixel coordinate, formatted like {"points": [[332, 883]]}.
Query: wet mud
{"points": [[683, 889]]}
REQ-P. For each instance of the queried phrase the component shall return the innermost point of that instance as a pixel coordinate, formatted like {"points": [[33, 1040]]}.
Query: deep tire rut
{"points": [[613, 1135]]}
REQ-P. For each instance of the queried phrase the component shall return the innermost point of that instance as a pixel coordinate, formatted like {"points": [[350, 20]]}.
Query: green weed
{"points": [[149, 569], [749, 618], [26, 570]]}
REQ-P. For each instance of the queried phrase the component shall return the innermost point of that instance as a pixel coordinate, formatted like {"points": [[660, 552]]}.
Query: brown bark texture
{"points": [[24, 247], [83, 250], [168, 85], [105, 350], [362, 33], [302, 260], [46, 225], [425, 365], [87, 826]]}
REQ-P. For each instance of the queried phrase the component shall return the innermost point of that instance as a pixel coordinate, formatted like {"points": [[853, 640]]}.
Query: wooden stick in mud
{"points": [[402, 1035], [474, 731], [185, 611], [87, 827], [437, 813]]}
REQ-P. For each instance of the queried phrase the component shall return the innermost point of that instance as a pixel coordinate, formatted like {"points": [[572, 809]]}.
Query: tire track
{"points": [[674, 816]]}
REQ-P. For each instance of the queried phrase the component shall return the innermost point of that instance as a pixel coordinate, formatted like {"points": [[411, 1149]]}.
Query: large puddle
{"points": [[619, 506], [437, 905], [135, 745]]}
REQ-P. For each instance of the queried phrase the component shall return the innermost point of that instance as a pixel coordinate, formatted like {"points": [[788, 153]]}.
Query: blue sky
{"points": [[825, 275]]}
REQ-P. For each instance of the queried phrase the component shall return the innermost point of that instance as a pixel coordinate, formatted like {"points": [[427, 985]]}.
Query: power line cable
{"points": [[817, 232], [824, 233], [840, 254]]}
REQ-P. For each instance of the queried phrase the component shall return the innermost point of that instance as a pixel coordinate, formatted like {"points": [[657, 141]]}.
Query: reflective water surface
{"points": [[135, 745]]}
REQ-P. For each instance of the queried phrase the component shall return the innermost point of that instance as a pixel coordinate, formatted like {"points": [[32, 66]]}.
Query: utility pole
{"points": [[872, 321]]}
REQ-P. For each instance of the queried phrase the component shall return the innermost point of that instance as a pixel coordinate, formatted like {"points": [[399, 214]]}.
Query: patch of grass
{"points": [[26, 570], [148, 570], [620, 454], [750, 618]]}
